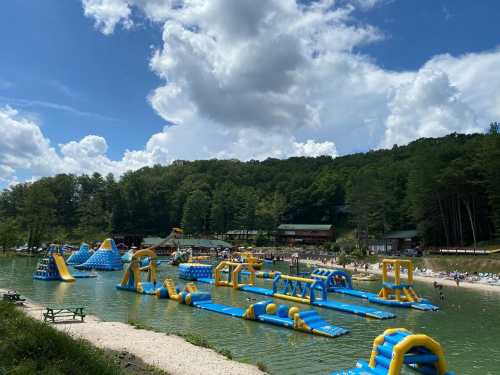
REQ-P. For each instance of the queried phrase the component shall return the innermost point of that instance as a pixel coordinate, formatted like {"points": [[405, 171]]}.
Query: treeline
{"points": [[448, 188]]}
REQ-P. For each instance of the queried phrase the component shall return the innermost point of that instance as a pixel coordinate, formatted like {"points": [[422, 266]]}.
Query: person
{"points": [[457, 280], [366, 267]]}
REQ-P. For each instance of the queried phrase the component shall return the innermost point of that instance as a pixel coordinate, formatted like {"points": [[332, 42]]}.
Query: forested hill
{"points": [[449, 188]]}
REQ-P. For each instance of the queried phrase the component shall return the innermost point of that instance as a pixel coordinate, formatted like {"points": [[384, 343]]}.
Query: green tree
{"points": [[10, 233], [195, 217], [38, 212]]}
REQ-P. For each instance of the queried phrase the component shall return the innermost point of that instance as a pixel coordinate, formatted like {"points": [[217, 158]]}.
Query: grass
{"points": [[262, 366], [31, 347]]}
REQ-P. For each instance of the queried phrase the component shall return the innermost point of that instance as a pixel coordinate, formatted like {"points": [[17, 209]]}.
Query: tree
{"points": [[38, 212], [269, 212], [196, 213], [9, 233]]}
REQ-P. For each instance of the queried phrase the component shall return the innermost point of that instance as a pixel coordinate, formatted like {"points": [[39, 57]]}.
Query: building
{"points": [[305, 234], [198, 245], [398, 242], [241, 235]]}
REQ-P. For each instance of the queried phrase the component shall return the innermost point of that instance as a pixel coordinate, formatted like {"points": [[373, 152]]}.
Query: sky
{"points": [[114, 85]]}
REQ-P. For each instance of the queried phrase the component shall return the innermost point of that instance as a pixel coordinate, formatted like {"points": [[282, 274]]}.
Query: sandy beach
{"points": [[428, 279], [170, 353]]}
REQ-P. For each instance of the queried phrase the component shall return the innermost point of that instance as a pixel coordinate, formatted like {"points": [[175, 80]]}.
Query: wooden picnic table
{"points": [[52, 313], [13, 297]]}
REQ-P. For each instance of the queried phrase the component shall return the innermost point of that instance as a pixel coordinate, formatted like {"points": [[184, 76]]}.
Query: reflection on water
{"points": [[467, 325]]}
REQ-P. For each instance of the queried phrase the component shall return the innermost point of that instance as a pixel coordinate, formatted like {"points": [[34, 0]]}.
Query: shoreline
{"points": [[416, 277], [170, 353]]}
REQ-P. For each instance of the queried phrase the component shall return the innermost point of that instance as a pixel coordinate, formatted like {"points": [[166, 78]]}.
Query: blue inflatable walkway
{"points": [[312, 320], [333, 305], [424, 305]]}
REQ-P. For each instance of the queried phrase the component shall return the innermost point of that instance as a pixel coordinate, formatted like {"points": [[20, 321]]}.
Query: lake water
{"points": [[468, 324]]}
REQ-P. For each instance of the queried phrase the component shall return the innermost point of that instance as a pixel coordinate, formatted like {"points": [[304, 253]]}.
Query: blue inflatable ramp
{"points": [[355, 292], [221, 309], [424, 306], [257, 290], [355, 309], [206, 280], [83, 275]]}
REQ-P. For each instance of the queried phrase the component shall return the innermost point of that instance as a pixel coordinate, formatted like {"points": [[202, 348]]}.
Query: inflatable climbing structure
{"points": [[80, 256], [132, 279], [397, 348], [53, 267], [106, 258]]}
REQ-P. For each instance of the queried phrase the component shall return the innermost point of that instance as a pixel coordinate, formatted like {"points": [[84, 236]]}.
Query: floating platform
{"points": [[195, 271], [264, 311], [327, 304]]}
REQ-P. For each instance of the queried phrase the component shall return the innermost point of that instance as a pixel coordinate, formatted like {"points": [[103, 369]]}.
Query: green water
{"points": [[468, 325]]}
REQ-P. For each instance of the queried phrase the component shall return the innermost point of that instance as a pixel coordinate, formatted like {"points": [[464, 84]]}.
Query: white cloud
{"points": [[23, 146], [428, 106], [108, 13], [275, 80]]}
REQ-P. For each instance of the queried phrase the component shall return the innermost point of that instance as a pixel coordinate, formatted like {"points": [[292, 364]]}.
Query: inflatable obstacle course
{"points": [[397, 348], [194, 271], [233, 272], [132, 279], [264, 311], [395, 293], [106, 258], [80, 256], [333, 278], [291, 288], [53, 267]]}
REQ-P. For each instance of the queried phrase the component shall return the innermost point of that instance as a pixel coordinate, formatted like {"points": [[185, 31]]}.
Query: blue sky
{"points": [[52, 53], [100, 68]]}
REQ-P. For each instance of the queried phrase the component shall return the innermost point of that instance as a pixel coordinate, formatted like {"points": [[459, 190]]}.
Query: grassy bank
{"points": [[28, 346]]}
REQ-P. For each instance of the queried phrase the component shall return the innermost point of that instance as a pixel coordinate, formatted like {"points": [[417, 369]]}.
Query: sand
{"points": [[170, 353], [430, 279]]}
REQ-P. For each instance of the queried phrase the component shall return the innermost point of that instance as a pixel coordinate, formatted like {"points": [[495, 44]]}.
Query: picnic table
{"points": [[13, 297], [52, 313]]}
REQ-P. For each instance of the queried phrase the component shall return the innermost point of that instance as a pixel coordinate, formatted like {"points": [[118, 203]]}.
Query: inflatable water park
{"points": [[263, 311], [54, 267], [392, 352], [397, 348]]}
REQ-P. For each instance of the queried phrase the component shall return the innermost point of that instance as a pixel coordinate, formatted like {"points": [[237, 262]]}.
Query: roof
{"points": [[186, 242], [152, 241], [402, 234], [242, 232], [305, 227]]}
